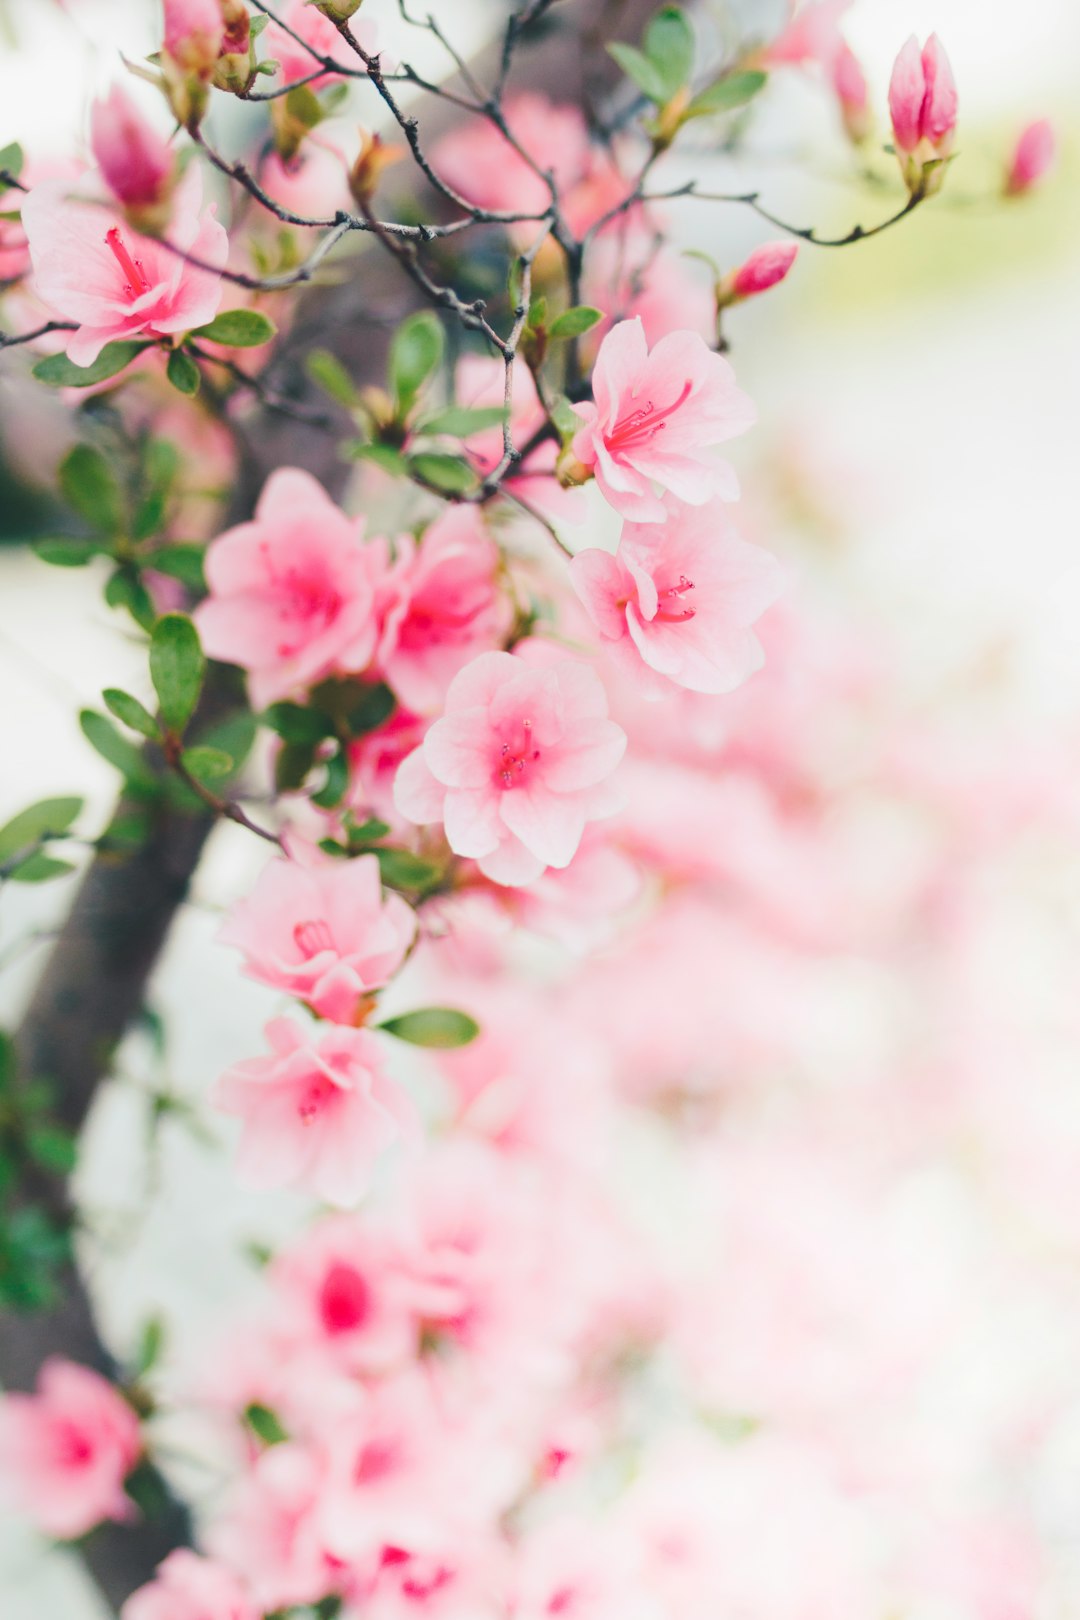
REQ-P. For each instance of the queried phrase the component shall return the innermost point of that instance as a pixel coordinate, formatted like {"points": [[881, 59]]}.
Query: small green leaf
{"points": [[102, 735], [416, 350], [149, 1348], [573, 322], [565, 417], [433, 1026], [234, 735], [302, 106], [726, 94], [462, 420], [48, 818], [59, 372], [124, 589], [291, 766], [401, 869], [337, 780], [374, 705], [207, 765], [295, 724], [644, 73], [669, 46], [177, 668], [63, 551], [131, 712], [328, 373], [265, 1424], [183, 372], [12, 159], [126, 831], [383, 455], [39, 868], [239, 329], [89, 486], [449, 474], [9, 1064], [182, 562], [53, 1148], [257, 26], [368, 832]]}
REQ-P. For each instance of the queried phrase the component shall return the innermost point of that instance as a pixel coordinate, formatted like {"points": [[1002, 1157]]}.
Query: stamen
{"points": [[138, 282]]}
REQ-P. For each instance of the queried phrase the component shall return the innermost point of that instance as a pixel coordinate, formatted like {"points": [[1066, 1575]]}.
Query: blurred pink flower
{"points": [[194, 34], [490, 172], [627, 275], [138, 165], [518, 764], [270, 1531], [1033, 158], [654, 418], [188, 1587], [317, 30]]}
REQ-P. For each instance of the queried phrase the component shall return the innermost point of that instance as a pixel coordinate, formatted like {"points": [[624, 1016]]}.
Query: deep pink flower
{"points": [[187, 1587], [449, 608], [92, 268], [66, 1450], [138, 165], [338, 1288], [292, 593], [324, 933], [1033, 158], [316, 1114], [654, 419], [518, 764], [680, 597], [194, 34], [766, 266], [923, 106]]}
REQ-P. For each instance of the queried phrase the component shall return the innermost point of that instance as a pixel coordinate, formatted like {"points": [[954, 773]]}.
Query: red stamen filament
{"points": [[138, 282], [669, 608], [639, 427]]}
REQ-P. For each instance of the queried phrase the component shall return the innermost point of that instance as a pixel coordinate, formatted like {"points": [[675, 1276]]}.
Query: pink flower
{"points": [[853, 93], [627, 275], [449, 610], [479, 382], [188, 1587], [655, 417], [194, 34], [271, 1531], [339, 1289], [325, 934], [319, 32], [923, 105], [137, 164], [766, 266], [1033, 158], [292, 593], [482, 165], [811, 35], [66, 1450], [517, 765], [680, 597], [316, 1115], [374, 760], [92, 268]]}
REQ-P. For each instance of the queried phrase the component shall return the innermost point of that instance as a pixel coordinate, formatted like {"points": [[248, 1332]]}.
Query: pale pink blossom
{"points": [[654, 418], [680, 597], [66, 1450], [318, 32], [92, 268], [923, 107], [194, 34], [271, 1532], [187, 1587], [766, 266], [1033, 158], [374, 760], [812, 34], [292, 593], [626, 274], [137, 164], [479, 382], [316, 1114], [490, 172], [853, 93], [338, 1287], [324, 933], [313, 181], [517, 766]]}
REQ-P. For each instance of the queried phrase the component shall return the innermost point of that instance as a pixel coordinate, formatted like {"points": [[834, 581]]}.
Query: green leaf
{"points": [[102, 735], [64, 551], [669, 46], [327, 372], [302, 106], [12, 159], [32, 1247], [239, 329], [368, 832], [448, 474], [573, 322], [337, 780], [401, 869], [124, 589], [207, 765], [291, 766], [726, 94], [126, 831], [565, 417], [53, 1148], [39, 868], [9, 1066], [265, 1424], [442, 1027], [295, 724], [59, 372], [89, 486], [462, 421], [48, 818], [149, 1348], [416, 350], [183, 372], [234, 735], [177, 668], [182, 562], [131, 712], [644, 73], [374, 705], [383, 455]]}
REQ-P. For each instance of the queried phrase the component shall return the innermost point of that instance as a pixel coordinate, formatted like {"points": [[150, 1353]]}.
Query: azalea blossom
{"points": [[765, 267], [66, 1450], [324, 933], [137, 164], [627, 274], [517, 766], [316, 1113], [292, 593], [680, 597], [654, 418], [94, 269], [187, 1587]]}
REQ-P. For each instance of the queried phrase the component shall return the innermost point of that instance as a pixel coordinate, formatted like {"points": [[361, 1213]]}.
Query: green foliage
{"points": [[239, 329], [39, 868], [726, 94], [48, 818], [59, 372], [637, 67], [64, 551], [442, 1027], [337, 780], [177, 668], [573, 322], [150, 1346], [183, 372], [415, 352], [130, 712], [327, 372], [183, 562], [90, 487], [401, 869], [33, 1247], [295, 724], [461, 421], [383, 455], [265, 1424], [207, 765], [669, 46], [448, 474], [103, 736], [12, 159]]}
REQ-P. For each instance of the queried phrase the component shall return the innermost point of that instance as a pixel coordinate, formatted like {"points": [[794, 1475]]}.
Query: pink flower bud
{"points": [[137, 164], [1033, 158], [766, 266], [923, 105], [853, 94], [194, 32]]}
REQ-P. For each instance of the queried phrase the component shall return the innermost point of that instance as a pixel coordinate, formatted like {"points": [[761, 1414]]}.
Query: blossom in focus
{"points": [[923, 105], [1032, 159], [137, 165], [517, 766], [765, 267], [325, 934], [680, 597], [654, 418], [92, 268], [66, 1450], [187, 1587], [316, 1113], [292, 593]]}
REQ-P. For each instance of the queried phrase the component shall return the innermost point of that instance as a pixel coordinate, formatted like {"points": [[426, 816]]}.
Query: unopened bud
{"points": [[1034, 157], [923, 104], [374, 156], [853, 94], [338, 10], [570, 471], [137, 164], [766, 266], [194, 32]]}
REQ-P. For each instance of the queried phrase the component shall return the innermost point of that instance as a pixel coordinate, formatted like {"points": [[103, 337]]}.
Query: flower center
{"points": [[671, 609], [313, 937], [138, 282], [345, 1300], [515, 756], [640, 426], [313, 1100]]}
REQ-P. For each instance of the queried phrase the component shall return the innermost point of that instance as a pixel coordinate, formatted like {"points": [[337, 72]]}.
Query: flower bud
{"points": [[374, 156], [766, 266], [194, 33], [338, 10], [570, 471], [853, 94], [1033, 158], [923, 105], [138, 165]]}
